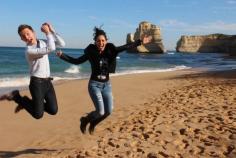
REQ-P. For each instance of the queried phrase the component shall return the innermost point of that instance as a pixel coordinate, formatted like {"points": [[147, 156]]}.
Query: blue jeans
{"points": [[101, 95]]}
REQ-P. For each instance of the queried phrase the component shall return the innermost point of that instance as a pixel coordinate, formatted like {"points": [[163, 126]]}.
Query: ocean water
{"points": [[14, 71]]}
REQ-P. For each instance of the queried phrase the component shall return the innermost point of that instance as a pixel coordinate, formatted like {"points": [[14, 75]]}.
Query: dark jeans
{"points": [[43, 98]]}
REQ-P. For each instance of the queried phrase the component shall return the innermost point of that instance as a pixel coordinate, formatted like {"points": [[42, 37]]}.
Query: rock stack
{"points": [[146, 28]]}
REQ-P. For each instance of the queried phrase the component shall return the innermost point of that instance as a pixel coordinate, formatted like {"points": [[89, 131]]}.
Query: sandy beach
{"points": [[177, 114]]}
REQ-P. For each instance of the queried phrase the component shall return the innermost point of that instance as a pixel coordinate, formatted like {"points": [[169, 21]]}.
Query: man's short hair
{"points": [[24, 26]]}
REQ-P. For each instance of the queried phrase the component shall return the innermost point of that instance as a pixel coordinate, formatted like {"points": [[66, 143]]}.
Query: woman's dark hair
{"points": [[24, 26], [98, 32]]}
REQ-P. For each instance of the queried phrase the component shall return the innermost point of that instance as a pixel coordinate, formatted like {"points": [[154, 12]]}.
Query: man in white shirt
{"points": [[41, 88]]}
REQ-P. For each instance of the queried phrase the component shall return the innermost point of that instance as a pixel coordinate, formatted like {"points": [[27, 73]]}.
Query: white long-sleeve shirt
{"points": [[37, 55]]}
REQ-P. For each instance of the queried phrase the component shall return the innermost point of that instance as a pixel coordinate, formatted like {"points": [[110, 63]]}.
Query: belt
{"points": [[42, 79]]}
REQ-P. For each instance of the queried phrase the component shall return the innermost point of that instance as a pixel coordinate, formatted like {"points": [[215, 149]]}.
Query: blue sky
{"points": [[75, 19]]}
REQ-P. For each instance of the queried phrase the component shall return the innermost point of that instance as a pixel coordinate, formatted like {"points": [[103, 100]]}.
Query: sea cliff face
{"points": [[146, 28], [214, 43]]}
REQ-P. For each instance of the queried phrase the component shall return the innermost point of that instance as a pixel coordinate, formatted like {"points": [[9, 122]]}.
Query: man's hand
{"points": [[52, 30], [45, 29]]}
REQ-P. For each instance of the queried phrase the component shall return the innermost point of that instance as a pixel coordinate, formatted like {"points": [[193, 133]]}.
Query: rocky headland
{"points": [[146, 28], [213, 43]]}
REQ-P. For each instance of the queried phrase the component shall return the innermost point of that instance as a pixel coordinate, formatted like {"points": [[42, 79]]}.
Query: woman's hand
{"points": [[146, 39], [59, 53]]}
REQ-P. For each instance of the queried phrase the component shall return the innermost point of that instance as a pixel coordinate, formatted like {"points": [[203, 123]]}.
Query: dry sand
{"points": [[173, 114]]}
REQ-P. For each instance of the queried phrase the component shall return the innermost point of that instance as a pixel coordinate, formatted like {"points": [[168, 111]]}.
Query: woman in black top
{"points": [[102, 57]]}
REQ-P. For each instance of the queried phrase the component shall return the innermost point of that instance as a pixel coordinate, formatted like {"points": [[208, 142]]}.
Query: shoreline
{"points": [[25, 79], [154, 114]]}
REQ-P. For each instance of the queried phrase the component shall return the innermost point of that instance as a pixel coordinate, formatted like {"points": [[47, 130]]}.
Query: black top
{"points": [[101, 63]]}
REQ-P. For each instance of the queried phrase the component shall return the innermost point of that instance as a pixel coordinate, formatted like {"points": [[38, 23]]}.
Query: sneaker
{"points": [[83, 123], [10, 96]]}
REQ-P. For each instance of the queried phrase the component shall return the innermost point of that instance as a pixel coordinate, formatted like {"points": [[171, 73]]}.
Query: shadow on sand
{"points": [[8, 154]]}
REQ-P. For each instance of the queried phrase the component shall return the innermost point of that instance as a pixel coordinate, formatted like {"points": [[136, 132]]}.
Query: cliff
{"points": [[214, 43], [146, 28]]}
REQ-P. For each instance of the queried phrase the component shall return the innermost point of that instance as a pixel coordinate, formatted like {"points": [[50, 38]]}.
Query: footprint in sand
{"points": [[229, 149], [232, 136], [182, 131], [199, 150], [196, 131], [152, 155], [213, 138]]}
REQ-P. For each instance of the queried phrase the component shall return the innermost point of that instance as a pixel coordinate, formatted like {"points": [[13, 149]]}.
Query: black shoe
{"points": [[18, 108], [92, 128], [83, 123], [95, 122], [10, 96]]}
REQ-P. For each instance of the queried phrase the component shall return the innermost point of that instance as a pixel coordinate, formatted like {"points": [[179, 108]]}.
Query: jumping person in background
{"points": [[102, 57], [41, 88]]}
